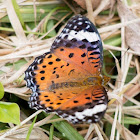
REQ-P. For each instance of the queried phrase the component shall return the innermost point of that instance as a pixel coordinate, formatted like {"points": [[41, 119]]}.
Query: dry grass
{"points": [[20, 47]]}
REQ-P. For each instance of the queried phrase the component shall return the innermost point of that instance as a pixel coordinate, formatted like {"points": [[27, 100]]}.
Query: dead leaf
{"points": [[95, 3], [132, 92], [132, 34]]}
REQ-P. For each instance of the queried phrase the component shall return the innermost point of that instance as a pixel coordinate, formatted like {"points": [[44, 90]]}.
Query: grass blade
{"points": [[30, 129]]}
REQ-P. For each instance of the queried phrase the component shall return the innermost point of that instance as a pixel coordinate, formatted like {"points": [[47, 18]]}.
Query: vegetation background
{"points": [[29, 27]]}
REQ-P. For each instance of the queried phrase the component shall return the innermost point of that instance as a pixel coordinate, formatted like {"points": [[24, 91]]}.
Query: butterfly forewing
{"points": [[80, 43], [67, 80]]}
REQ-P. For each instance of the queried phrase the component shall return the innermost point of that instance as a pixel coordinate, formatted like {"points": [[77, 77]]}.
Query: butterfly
{"points": [[68, 80]]}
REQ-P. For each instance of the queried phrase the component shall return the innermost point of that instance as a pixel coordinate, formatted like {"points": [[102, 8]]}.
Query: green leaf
{"points": [[30, 129], [17, 10], [1, 91], [20, 79], [12, 30], [27, 12], [9, 113], [17, 65], [139, 133], [51, 132], [48, 17], [114, 41], [131, 120], [66, 129], [50, 25]]}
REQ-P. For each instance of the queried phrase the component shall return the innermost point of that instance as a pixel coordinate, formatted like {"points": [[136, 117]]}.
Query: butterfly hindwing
{"points": [[87, 106]]}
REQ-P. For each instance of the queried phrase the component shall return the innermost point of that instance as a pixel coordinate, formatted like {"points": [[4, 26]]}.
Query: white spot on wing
{"points": [[63, 35], [101, 101], [70, 117], [80, 18], [87, 22], [31, 98], [58, 41], [67, 30], [87, 27], [75, 27], [90, 36], [91, 112], [70, 25], [79, 23], [26, 74], [96, 116], [89, 121], [28, 82]]}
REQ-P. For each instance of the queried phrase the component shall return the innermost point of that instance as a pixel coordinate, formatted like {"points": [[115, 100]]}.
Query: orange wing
{"points": [[80, 44], [87, 106], [56, 88], [57, 77], [48, 74]]}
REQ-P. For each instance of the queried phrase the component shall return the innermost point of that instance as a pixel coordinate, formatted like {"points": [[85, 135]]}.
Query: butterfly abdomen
{"points": [[86, 81], [63, 85]]}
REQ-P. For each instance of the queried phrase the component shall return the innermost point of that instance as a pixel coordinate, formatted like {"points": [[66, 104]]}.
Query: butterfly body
{"points": [[67, 80]]}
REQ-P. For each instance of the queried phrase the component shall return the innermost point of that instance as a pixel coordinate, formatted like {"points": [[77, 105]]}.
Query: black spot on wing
{"points": [[44, 66], [82, 46], [42, 72], [30, 72], [83, 55], [74, 40], [58, 59], [68, 45], [42, 78], [47, 100], [50, 56], [61, 49], [50, 63], [71, 55]]}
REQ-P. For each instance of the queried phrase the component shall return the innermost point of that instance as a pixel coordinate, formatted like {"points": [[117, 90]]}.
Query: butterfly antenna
{"points": [[117, 59]]}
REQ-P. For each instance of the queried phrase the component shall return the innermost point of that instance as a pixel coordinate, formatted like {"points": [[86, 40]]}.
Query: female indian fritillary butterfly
{"points": [[67, 80]]}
